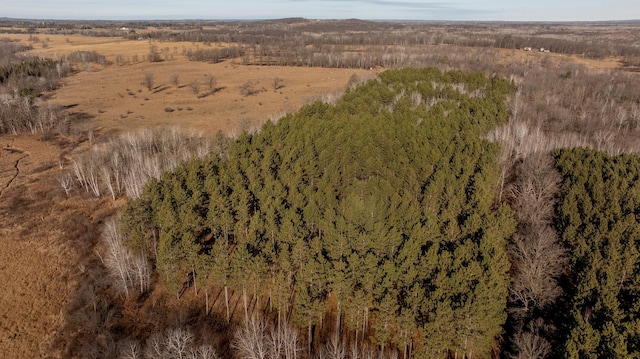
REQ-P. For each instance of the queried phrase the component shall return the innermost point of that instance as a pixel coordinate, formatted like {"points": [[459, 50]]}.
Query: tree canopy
{"points": [[599, 222], [380, 208]]}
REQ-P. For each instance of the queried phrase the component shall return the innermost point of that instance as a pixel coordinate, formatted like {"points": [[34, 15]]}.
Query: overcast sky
{"points": [[507, 10]]}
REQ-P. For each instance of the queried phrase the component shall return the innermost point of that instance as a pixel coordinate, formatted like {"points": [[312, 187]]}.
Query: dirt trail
{"points": [[16, 167]]}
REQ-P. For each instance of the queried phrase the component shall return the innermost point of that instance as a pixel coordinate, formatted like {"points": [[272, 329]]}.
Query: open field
{"points": [[114, 97], [117, 99], [40, 260]]}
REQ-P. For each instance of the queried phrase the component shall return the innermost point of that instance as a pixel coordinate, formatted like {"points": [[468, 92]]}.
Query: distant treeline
{"points": [[603, 40], [590, 40]]}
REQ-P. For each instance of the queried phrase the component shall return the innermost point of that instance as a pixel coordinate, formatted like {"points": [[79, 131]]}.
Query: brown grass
{"points": [[507, 56], [36, 257], [114, 97]]}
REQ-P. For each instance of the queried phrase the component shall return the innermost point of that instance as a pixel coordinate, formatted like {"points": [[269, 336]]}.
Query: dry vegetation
{"points": [[91, 137]]}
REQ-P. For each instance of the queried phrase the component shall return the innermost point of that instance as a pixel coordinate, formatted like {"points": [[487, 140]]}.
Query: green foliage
{"points": [[599, 223], [384, 204]]}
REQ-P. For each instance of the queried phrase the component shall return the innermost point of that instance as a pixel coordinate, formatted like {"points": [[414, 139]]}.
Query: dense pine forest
{"points": [[380, 209], [599, 223]]}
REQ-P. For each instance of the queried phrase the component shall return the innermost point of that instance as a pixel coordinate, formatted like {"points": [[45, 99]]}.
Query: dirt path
{"points": [[16, 167]]}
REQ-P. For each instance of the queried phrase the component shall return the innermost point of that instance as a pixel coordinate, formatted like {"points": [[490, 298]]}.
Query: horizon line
{"points": [[5, 18]]}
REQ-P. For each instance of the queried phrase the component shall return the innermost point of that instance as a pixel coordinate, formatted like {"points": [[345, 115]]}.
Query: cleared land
{"points": [[114, 97]]}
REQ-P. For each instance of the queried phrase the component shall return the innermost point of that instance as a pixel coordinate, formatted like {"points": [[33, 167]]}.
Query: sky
{"points": [[457, 10]]}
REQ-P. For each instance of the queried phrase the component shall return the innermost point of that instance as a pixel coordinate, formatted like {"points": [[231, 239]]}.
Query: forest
{"points": [[380, 209], [598, 222], [26, 82]]}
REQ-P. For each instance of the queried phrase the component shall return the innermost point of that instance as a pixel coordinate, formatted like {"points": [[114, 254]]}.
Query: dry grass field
{"points": [[115, 98], [38, 265]]}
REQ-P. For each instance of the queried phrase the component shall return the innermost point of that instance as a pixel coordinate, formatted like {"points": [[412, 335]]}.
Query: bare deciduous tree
{"points": [[211, 84], [177, 342], [120, 60], [130, 349], [529, 344], [129, 270], [124, 164], [249, 340], [537, 257], [248, 89], [283, 342], [362, 351], [257, 340], [155, 347], [333, 349], [66, 182], [154, 55], [537, 263], [86, 174], [203, 352], [105, 175], [531, 185]]}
